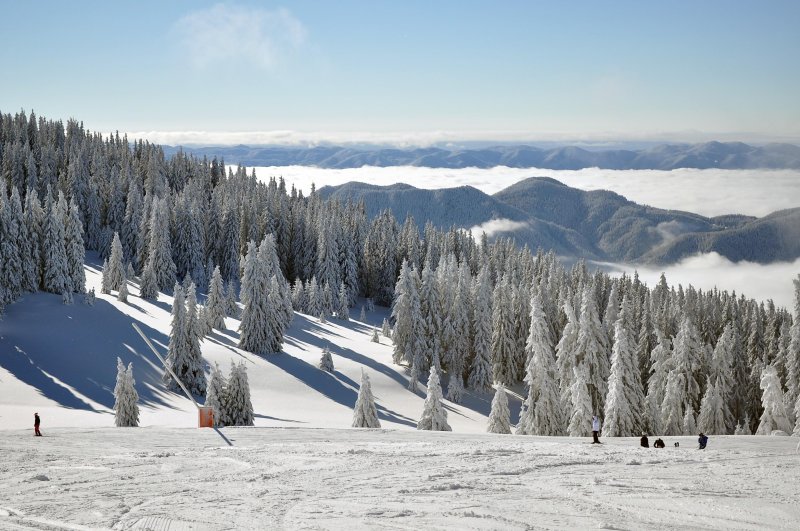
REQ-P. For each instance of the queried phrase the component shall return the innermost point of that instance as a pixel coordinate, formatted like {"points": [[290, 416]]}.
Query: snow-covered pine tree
{"points": [[89, 298], [122, 294], [115, 270], [386, 329], [661, 365], [54, 253], [215, 396], [688, 352], [480, 374], [74, 246], [434, 415], [500, 415], [160, 249], [722, 374], [231, 307], [375, 338], [365, 414], [215, 302], [672, 406], [238, 407], [711, 420], [254, 326], [793, 359], [592, 349], [148, 285], [407, 316], [195, 369], [774, 416], [126, 408], [326, 361], [623, 410], [566, 352], [544, 415], [105, 279], [503, 340], [342, 306], [689, 423], [580, 421], [363, 315]]}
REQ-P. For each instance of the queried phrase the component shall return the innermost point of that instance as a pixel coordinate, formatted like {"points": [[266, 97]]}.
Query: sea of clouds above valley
{"points": [[710, 192]]}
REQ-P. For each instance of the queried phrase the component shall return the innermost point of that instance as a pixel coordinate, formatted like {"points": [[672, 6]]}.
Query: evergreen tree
{"points": [[386, 330], [183, 357], [581, 412], [499, 417], [712, 416], [660, 368], [503, 342], [672, 407], [793, 354], [75, 250], [148, 285], [126, 408], [566, 354], [365, 414], [623, 410], [406, 312], [480, 374], [215, 302], [326, 361], [375, 338], [687, 355], [254, 327], [122, 294], [238, 407], [689, 424], [343, 300], [160, 249], [215, 396], [774, 416], [115, 270], [434, 415], [543, 406], [592, 349], [54, 253]]}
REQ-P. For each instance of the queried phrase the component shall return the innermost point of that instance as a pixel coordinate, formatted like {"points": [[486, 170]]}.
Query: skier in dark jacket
{"points": [[36, 422], [644, 441], [702, 441]]}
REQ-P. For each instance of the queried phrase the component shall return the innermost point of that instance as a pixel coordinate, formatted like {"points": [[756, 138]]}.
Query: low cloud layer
{"points": [[706, 271], [708, 192], [223, 33], [497, 226]]}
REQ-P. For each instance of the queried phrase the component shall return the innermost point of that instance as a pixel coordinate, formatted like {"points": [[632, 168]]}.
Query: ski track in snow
{"points": [[305, 478]]}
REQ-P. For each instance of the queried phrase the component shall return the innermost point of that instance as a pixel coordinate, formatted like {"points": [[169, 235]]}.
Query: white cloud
{"points": [[708, 192], [495, 226], [706, 271], [229, 33]]}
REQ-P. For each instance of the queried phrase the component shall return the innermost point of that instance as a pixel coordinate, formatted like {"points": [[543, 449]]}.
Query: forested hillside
{"points": [[668, 359]]}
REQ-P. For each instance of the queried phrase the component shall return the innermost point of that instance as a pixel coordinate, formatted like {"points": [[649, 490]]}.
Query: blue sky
{"points": [[409, 71]]}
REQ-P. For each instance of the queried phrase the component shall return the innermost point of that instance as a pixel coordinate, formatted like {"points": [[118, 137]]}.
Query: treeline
{"points": [[646, 358]]}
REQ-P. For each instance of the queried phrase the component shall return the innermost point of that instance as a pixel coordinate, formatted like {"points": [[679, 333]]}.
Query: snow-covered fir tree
{"points": [[215, 303], [711, 420], [114, 271], [216, 396], [365, 414], [689, 422], [623, 409], [580, 421], [126, 399], [592, 349], [183, 357], [499, 417], [775, 416], [122, 294], [480, 373], [543, 414], [238, 407], [326, 361], [375, 338], [434, 415]]}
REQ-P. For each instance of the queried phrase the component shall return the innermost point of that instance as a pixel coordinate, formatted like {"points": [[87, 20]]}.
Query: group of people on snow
{"points": [[644, 442]]}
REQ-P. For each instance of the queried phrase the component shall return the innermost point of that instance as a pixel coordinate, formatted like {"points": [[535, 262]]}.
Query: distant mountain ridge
{"points": [[598, 225], [723, 155]]}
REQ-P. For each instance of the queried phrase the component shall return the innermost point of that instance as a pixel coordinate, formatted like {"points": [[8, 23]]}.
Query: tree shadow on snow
{"points": [[330, 385], [79, 344]]}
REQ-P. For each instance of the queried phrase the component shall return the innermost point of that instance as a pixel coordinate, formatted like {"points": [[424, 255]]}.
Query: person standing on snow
{"points": [[36, 422], [644, 441], [702, 441], [596, 429]]}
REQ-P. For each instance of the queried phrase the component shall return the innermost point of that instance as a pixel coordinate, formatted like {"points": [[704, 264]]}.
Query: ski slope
{"points": [[304, 478], [60, 361]]}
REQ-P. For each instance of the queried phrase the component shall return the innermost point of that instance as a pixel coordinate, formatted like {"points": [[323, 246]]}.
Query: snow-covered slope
{"points": [[60, 361], [255, 478]]}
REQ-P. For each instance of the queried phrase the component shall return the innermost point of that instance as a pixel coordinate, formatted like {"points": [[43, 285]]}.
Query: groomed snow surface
{"points": [[302, 467]]}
